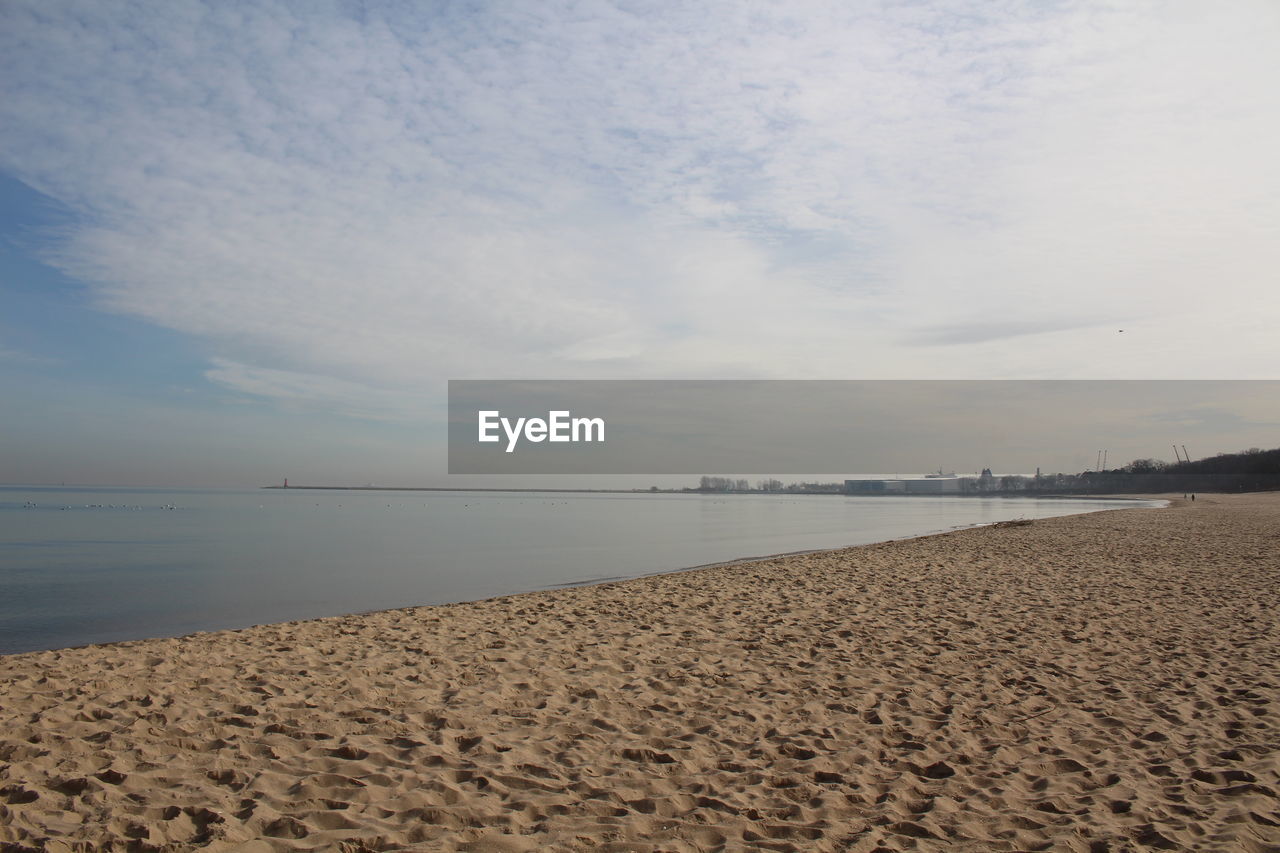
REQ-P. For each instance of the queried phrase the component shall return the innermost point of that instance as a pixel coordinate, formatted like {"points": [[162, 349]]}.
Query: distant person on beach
{"points": [[1193, 497]]}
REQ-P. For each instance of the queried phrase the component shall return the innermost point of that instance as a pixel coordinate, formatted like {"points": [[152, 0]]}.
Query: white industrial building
{"points": [[920, 486]]}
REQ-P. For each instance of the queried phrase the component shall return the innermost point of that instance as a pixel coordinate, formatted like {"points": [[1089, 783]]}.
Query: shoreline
{"points": [[1020, 493], [805, 552], [231, 625], [1087, 681]]}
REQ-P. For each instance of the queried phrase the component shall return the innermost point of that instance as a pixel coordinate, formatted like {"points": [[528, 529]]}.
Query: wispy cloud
{"points": [[309, 391], [388, 198], [15, 356], [980, 332]]}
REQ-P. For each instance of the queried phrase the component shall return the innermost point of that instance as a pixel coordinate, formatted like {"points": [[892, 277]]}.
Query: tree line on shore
{"points": [[1247, 471], [729, 484]]}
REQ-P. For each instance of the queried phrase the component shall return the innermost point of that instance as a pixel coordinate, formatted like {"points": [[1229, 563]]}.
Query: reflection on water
{"points": [[96, 565]]}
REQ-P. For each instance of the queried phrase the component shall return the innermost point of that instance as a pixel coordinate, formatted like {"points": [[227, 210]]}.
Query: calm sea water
{"points": [[92, 565]]}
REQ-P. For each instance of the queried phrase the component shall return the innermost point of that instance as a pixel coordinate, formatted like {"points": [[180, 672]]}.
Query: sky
{"points": [[246, 241]]}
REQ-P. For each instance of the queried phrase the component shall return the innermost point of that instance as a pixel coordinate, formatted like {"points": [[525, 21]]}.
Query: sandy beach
{"points": [[1103, 682]]}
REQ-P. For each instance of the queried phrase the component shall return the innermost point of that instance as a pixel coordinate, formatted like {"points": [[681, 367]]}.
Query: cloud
{"points": [[15, 356], [389, 198], [309, 391], [991, 331]]}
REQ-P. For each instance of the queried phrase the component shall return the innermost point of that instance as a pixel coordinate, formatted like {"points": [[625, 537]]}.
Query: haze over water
{"points": [[92, 565]]}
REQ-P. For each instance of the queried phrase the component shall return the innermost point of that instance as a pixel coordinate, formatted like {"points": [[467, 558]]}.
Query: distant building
{"points": [[934, 486], [927, 486]]}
